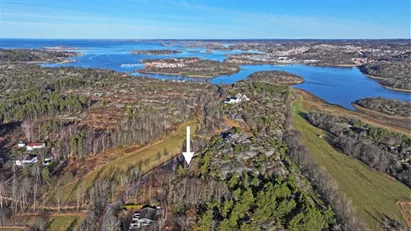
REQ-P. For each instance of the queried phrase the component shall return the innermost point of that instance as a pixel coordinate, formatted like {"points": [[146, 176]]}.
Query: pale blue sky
{"points": [[202, 19]]}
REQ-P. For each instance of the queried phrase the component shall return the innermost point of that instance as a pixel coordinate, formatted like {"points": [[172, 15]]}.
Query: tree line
{"points": [[379, 148]]}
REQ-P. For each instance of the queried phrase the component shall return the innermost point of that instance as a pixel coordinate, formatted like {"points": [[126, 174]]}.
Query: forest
{"points": [[80, 113], [393, 75], [242, 179], [390, 107], [191, 67], [26, 55], [279, 77], [378, 148], [250, 171]]}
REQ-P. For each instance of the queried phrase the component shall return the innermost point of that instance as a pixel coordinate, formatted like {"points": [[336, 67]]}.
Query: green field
{"points": [[373, 194], [69, 222], [172, 144]]}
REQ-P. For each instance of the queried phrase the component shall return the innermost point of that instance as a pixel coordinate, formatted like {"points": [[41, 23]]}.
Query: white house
{"points": [[32, 146], [236, 99], [21, 144]]}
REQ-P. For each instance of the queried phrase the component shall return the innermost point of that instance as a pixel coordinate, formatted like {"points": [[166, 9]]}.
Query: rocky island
{"points": [[154, 52], [276, 77], [190, 67]]}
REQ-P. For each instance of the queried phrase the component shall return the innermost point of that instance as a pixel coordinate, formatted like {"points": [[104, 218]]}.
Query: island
{"points": [[154, 52], [190, 67], [276, 77]]}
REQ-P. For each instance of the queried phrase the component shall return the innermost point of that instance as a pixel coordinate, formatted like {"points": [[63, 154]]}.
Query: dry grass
{"points": [[373, 195], [64, 222], [405, 208], [172, 143]]}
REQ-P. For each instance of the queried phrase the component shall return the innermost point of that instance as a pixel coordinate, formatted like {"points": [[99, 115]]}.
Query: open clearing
{"points": [[172, 143], [373, 194], [68, 222]]}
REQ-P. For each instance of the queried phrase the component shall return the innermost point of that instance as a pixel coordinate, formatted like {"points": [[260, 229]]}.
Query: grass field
{"points": [[172, 144], [373, 194], [69, 222]]}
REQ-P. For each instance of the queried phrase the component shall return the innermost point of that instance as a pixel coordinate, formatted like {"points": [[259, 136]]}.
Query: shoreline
{"points": [[366, 110], [279, 83], [396, 89], [189, 76], [373, 76], [154, 52], [384, 121], [382, 78]]}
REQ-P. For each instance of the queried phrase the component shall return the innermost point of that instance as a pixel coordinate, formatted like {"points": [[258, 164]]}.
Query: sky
{"points": [[205, 19]]}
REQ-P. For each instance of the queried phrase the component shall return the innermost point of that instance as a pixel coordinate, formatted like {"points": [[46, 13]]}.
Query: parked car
{"points": [[47, 161], [133, 224], [136, 216], [30, 159]]}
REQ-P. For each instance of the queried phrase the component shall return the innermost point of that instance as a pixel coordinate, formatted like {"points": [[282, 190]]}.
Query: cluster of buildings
{"points": [[170, 63], [360, 61], [29, 158], [292, 51], [273, 58], [236, 99]]}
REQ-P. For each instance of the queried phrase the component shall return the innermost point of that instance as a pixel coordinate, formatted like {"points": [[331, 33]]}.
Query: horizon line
{"points": [[211, 39]]}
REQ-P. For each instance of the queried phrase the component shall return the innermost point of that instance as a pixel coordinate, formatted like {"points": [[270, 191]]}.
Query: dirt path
{"points": [[405, 209], [376, 113]]}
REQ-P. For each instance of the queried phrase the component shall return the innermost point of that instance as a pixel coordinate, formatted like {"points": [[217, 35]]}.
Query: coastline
{"points": [[373, 76], [330, 65], [382, 78], [396, 89], [184, 75], [280, 83], [314, 102], [372, 112], [346, 65], [154, 52]]}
